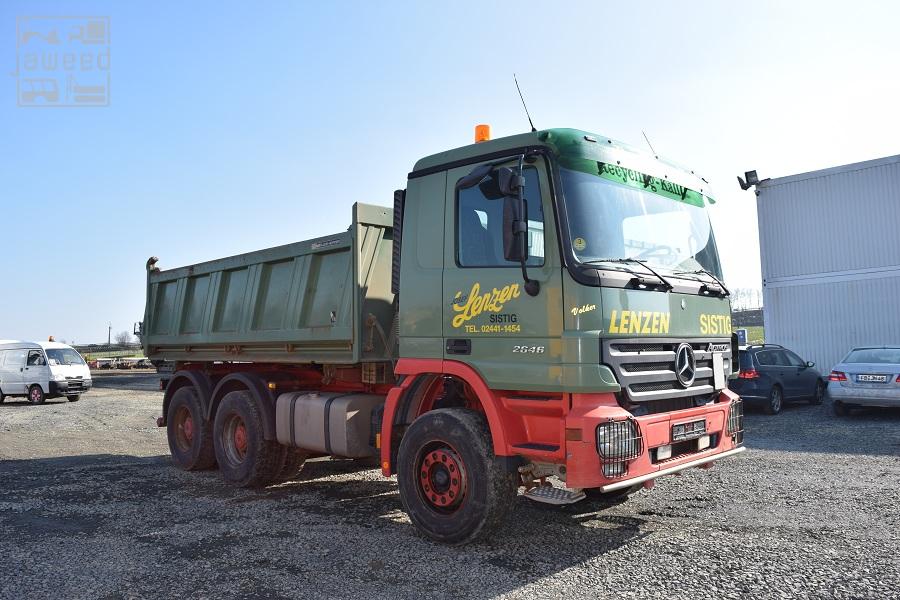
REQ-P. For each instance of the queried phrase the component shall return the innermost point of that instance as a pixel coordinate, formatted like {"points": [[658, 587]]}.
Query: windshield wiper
{"points": [[643, 263], [724, 290]]}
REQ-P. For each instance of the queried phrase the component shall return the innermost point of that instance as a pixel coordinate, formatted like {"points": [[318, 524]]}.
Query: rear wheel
{"points": [[840, 409], [776, 401], [189, 433], [291, 464], [819, 394], [245, 457], [36, 394], [451, 486], [74, 397]]}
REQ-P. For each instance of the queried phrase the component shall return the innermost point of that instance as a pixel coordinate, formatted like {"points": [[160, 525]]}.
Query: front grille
{"points": [[652, 407], [646, 368], [75, 385]]}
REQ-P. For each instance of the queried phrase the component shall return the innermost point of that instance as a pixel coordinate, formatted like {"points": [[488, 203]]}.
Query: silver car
{"points": [[868, 376]]}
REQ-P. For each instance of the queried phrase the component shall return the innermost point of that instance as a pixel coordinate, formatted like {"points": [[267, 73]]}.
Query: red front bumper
{"points": [[584, 465]]}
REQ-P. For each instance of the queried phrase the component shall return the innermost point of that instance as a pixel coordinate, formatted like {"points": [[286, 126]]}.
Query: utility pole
{"points": [[109, 335]]}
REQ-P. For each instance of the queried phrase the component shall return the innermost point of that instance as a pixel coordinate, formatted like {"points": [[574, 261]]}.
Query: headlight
{"points": [[618, 441], [735, 424], [57, 377]]}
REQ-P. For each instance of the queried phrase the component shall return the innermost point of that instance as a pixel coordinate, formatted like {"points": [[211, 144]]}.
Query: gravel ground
{"points": [[91, 507]]}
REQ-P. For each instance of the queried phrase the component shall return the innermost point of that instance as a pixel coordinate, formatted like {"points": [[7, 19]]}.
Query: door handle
{"points": [[458, 346]]}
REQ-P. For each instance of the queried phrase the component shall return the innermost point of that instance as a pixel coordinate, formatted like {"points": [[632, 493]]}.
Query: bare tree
{"points": [[122, 338]]}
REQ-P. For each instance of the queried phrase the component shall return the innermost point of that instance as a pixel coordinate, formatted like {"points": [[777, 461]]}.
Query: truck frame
{"points": [[477, 339]]}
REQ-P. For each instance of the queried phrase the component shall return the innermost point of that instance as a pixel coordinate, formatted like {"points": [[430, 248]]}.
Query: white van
{"points": [[41, 370]]}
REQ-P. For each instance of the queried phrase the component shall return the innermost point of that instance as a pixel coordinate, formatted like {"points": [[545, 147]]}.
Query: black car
{"points": [[771, 374]]}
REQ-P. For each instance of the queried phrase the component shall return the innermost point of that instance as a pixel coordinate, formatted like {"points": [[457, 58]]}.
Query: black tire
{"points": [[36, 394], [74, 397], [2, 397], [291, 464], [611, 498], [819, 394], [776, 401], [188, 431], [246, 459], [438, 445], [840, 409]]}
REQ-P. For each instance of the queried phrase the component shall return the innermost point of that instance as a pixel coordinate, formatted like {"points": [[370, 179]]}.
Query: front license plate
{"points": [[688, 431], [872, 378]]}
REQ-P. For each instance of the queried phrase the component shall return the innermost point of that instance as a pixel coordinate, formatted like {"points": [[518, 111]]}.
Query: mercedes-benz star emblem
{"points": [[685, 365]]}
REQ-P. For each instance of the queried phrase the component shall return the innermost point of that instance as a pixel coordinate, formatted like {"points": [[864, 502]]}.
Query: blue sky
{"points": [[233, 127]]}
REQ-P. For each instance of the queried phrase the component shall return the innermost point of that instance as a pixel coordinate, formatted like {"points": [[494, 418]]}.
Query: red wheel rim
{"points": [[442, 478], [35, 394], [184, 428], [240, 439], [236, 438]]}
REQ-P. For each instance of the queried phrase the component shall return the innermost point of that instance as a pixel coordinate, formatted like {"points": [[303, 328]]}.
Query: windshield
{"points": [[887, 356], [609, 220], [63, 356]]}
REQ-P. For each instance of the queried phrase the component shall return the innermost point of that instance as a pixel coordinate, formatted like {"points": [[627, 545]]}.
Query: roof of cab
{"points": [[568, 142], [46, 345], [17, 345]]}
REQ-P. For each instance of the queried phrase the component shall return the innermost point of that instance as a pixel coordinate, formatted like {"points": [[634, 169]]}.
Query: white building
{"points": [[830, 251]]}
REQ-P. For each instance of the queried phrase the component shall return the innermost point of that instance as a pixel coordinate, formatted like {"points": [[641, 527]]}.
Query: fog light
{"points": [[614, 469], [663, 452]]}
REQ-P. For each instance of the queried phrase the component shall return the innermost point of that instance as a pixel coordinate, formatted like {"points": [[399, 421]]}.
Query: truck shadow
{"points": [[339, 517]]}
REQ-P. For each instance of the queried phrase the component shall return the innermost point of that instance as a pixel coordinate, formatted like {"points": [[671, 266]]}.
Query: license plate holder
{"points": [[866, 378], [688, 431]]}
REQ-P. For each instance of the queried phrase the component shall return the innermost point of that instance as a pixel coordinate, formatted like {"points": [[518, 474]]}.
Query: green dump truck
{"points": [[542, 312]]}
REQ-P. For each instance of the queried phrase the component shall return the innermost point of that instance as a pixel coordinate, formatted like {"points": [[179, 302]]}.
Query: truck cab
{"points": [[605, 346]]}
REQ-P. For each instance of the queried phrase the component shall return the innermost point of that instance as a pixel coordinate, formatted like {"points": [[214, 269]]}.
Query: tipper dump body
{"points": [[325, 300]]}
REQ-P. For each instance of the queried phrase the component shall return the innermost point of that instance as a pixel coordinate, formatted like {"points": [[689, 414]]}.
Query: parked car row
{"points": [[120, 363], [771, 375]]}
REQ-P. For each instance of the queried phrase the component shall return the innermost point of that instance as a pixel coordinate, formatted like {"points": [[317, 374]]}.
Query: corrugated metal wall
{"points": [[830, 254]]}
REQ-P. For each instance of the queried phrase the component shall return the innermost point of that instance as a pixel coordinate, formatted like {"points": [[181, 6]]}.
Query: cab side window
{"points": [[479, 225], [35, 358]]}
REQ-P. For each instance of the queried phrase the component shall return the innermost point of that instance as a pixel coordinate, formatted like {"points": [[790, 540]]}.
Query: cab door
{"points": [[36, 370], [489, 320]]}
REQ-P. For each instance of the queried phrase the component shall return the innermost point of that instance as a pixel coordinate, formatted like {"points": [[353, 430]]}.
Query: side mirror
{"points": [[810, 364], [509, 181], [513, 225]]}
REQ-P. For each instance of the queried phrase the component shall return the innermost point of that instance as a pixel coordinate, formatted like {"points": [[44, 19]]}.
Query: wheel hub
{"points": [[442, 478], [240, 438], [188, 428]]}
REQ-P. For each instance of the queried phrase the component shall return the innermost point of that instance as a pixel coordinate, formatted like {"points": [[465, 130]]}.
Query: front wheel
{"points": [[450, 484], [776, 401], [74, 397], [36, 394]]}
